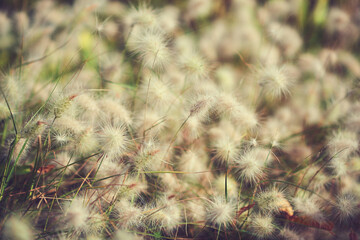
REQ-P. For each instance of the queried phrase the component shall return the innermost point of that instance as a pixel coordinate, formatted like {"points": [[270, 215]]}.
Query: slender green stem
{"points": [[17, 159], [218, 234], [7, 166], [226, 177], [4, 133], [11, 114]]}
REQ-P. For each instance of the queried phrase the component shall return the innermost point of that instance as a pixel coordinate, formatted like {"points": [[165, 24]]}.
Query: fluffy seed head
{"points": [[308, 206], [274, 81], [338, 167], [261, 226], [250, 171], [87, 106], [86, 142], [198, 9], [220, 212], [352, 121], [195, 210], [337, 21], [192, 161], [250, 165], [143, 16], [273, 200], [226, 77], [151, 46], [96, 223], [113, 110], [62, 138], [310, 64], [61, 103], [195, 66], [346, 207], [286, 37], [157, 91], [342, 144], [168, 18], [113, 140], [226, 149], [166, 215], [229, 107], [76, 213], [147, 157], [201, 107], [131, 188], [17, 229], [67, 124], [192, 129], [128, 214]]}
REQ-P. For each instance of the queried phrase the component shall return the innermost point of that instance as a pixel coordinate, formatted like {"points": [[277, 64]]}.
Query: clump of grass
{"points": [[195, 119]]}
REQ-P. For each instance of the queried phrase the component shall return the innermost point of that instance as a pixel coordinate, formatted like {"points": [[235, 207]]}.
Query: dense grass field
{"points": [[182, 119]]}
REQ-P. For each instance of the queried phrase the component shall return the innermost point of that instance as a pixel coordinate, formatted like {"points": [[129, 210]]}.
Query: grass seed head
{"points": [[220, 212], [143, 16], [250, 166], [337, 21], [60, 104], [76, 213], [16, 228], [148, 156], [192, 161], [272, 200], [226, 150], [274, 81], [151, 45], [262, 226], [166, 215], [113, 140], [346, 207], [87, 142], [129, 214], [194, 66], [308, 206], [342, 143], [114, 110]]}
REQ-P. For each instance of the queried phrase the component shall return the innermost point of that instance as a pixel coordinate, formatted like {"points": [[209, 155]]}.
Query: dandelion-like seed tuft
{"points": [[113, 140], [220, 212], [151, 45], [262, 226], [275, 81]]}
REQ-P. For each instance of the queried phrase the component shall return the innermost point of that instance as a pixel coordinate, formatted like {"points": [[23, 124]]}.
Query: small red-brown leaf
{"points": [[72, 97], [243, 209], [328, 226]]}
